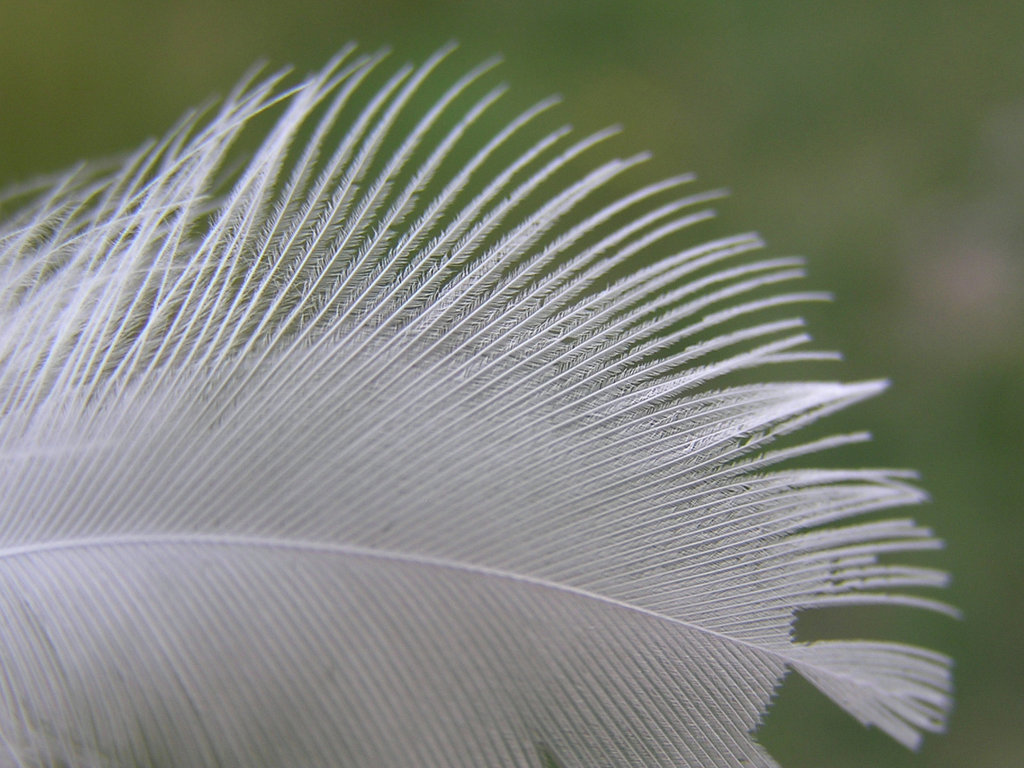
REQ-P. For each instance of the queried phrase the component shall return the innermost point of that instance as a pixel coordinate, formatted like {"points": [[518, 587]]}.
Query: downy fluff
{"points": [[396, 440]]}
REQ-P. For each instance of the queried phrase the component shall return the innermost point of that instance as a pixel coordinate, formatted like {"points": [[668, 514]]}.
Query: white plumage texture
{"points": [[397, 444]]}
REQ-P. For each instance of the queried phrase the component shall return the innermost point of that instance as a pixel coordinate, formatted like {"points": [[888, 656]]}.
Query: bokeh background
{"points": [[883, 140]]}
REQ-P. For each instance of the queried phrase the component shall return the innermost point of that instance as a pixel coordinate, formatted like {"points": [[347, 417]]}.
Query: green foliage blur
{"points": [[883, 140]]}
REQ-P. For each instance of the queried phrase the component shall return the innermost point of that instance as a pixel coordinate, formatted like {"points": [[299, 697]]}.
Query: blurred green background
{"points": [[883, 140]]}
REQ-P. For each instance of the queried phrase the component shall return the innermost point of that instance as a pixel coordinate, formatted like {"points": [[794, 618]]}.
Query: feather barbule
{"points": [[406, 442]]}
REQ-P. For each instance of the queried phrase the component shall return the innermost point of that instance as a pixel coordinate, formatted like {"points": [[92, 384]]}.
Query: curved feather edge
{"points": [[373, 451]]}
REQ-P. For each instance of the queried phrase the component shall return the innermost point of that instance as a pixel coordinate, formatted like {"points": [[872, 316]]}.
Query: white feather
{"points": [[370, 452]]}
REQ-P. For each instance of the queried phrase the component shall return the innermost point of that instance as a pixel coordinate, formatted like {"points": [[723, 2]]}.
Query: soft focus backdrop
{"points": [[884, 141]]}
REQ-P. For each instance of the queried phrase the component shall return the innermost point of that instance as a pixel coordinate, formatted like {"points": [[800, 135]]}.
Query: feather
{"points": [[405, 442]]}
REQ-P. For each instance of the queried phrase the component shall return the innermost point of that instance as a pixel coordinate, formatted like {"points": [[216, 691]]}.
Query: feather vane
{"points": [[376, 451]]}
